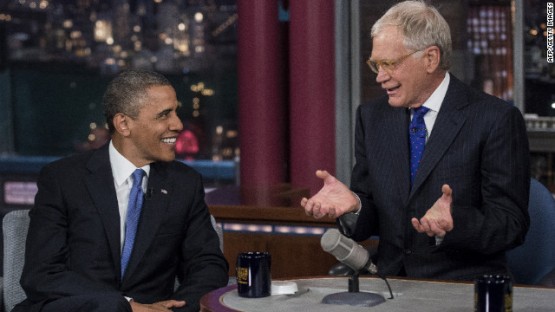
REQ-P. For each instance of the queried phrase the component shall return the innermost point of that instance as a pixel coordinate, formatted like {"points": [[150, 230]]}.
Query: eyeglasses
{"points": [[387, 65]]}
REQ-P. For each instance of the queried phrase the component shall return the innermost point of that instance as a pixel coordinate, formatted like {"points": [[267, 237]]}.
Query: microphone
{"points": [[347, 251], [357, 258]]}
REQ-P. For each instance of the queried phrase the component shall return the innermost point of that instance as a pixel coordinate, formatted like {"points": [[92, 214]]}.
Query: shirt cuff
{"points": [[439, 240], [357, 212]]}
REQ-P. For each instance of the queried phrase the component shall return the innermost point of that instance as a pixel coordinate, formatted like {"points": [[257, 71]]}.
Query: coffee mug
{"points": [[254, 279], [493, 293]]}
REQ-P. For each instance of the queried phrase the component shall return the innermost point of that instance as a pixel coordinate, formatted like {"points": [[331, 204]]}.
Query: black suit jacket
{"points": [[73, 245], [479, 147]]}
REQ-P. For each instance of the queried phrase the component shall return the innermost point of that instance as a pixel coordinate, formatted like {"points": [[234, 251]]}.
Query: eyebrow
{"points": [[164, 113], [382, 60]]}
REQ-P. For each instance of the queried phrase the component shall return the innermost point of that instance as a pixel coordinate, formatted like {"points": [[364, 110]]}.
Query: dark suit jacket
{"points": [[73, 246], [479, 147]]}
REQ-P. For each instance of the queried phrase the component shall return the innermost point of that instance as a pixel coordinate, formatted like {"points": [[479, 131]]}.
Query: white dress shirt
{"points": [[434, 104], [122, 170]]}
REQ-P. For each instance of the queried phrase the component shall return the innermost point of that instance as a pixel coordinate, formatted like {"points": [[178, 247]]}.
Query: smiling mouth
{"points": [[392, 89], [169, 140]]}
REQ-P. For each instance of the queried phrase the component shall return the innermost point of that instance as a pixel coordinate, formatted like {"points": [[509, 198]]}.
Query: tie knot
{"points": [[420, 111], [138, 175]]}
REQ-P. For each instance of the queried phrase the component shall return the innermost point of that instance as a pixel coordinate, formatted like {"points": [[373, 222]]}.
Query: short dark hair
{"points": [[127, 92]]}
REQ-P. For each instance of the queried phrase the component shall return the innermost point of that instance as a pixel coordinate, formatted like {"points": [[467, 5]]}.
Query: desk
{"points": [[260, 231], [410, 295]]}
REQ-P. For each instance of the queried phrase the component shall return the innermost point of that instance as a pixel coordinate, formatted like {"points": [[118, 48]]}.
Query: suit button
{"points": [[408, 251]]}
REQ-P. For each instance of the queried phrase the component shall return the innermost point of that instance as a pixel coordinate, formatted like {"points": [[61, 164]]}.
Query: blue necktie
{"points": [[417, 135], [132, 221]]}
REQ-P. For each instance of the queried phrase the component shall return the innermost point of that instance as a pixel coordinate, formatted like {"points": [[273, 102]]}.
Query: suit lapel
{"points": [[396, 127], [448, 124], [100, 184], [153, 211]]}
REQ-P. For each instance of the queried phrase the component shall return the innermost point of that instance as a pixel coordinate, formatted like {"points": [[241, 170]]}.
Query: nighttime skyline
{"points": [[165, 35]]}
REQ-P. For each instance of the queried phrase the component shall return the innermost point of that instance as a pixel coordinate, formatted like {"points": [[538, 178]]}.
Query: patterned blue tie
{"points": [[417, 135], [133, 214]]}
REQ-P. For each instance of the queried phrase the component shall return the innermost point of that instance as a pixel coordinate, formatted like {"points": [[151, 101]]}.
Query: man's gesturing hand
{"points": [[333, 200], [438, 220]]}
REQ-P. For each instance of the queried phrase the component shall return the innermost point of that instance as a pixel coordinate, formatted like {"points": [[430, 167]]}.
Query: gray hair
{"points": [[127, 93], [422, 26]]}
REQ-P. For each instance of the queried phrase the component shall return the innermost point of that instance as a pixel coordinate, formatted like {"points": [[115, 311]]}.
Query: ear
{"points": [[432, 57], [121, 124]]}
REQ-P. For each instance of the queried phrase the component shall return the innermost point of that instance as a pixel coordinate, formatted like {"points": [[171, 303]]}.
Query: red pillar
{"points": [[262, 113], [312, 88]]}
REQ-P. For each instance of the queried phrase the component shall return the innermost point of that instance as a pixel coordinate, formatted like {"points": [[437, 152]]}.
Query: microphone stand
{"points": [[354, 297]]}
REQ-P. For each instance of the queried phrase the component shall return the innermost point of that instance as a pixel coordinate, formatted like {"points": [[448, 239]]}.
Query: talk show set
{"points": [[277, 155]]}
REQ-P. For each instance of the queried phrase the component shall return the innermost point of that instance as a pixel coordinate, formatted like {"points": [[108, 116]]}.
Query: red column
{"points": [[312, 87], [262, 113]]}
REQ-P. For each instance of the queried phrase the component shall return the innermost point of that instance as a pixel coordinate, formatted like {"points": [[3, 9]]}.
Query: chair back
{"points": [[14, 227], [219, 230], [536, 257]]}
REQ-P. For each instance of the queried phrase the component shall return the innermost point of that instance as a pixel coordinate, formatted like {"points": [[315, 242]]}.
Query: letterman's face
{"points": [[405, 80]]}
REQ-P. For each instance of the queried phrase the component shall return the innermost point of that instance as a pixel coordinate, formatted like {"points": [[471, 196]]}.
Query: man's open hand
{"points": [[333, 200], [438, 220]]}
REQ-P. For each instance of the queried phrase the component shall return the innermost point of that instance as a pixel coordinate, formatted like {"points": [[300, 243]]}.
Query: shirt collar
{"points": [[122, 168], [436, 99]]}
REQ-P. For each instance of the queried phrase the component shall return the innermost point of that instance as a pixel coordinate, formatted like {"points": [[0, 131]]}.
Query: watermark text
{"points": [[549, 30]]}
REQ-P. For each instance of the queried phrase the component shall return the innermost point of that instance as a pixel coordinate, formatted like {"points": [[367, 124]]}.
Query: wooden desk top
{"points": [[409, 295], [261, 214]]}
